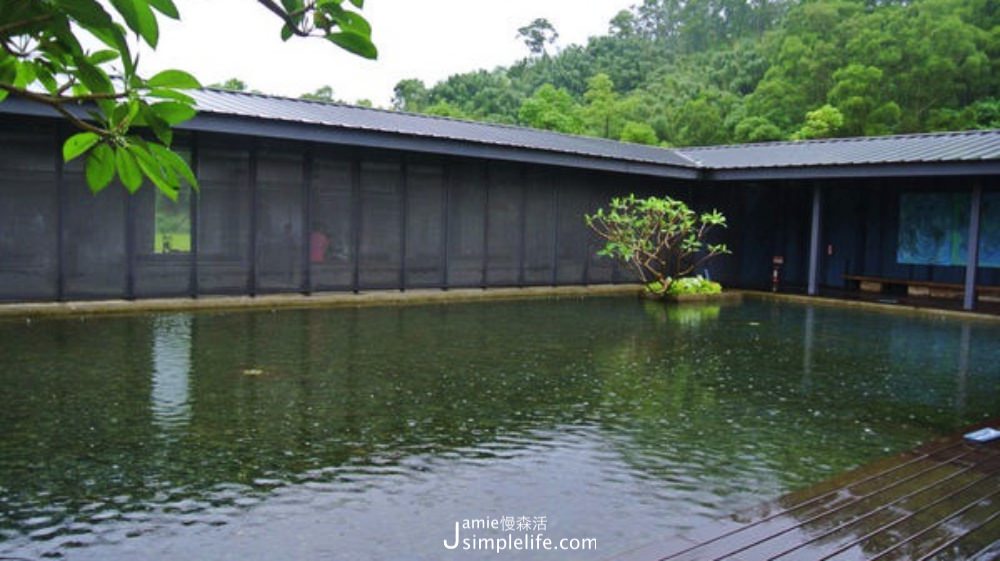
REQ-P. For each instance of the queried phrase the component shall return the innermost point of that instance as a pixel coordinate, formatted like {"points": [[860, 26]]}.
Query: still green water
{"points": [[367, 433]]}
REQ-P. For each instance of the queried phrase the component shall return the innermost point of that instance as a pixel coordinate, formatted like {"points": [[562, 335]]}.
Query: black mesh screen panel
{"points": [[539, 231], [331, 247], [223, 220], [503, 241], [424, 235], [381, 224], [600, 270], [94, 263], [28, 215], [466, 209], [573, 204], [280, 232]]}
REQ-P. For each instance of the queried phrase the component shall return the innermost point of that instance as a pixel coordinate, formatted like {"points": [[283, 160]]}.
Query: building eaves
{"points": [[969, 146]]}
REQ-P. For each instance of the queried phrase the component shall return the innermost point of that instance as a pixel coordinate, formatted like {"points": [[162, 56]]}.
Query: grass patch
{"points": [[171, 243]]}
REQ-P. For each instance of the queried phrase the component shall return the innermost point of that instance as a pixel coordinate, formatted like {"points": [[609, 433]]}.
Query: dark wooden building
{"points": [[300, 196]]}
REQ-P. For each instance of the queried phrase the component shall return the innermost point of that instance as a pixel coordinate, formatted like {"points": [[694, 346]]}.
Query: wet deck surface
{"points": [[940, 502]]}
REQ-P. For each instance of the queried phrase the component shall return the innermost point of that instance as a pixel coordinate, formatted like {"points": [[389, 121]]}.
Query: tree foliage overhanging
{"points": [[101, 91], [702, 72]]}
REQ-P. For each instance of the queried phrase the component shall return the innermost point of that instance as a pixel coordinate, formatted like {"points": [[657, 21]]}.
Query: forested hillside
{"points": [[701, 72]]}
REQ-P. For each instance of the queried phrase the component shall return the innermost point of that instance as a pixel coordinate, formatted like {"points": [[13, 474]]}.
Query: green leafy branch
{"points": [[101, 92], [328, 19]]}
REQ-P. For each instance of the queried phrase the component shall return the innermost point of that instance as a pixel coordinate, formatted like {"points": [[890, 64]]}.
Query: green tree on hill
{"points": [[409, 95], [537, 35], [824, 122], [323, 93], [723, 71], [857, 94], [638, 133], [551, 109], [232, 84]]}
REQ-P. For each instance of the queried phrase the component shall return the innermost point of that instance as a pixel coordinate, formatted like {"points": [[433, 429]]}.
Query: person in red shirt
{"points": [[319, 243]]}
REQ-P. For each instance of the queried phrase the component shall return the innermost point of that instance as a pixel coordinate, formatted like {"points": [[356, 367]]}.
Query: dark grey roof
{"points": [[719, 162], [950, 153], [379, 120], [913, 148]]}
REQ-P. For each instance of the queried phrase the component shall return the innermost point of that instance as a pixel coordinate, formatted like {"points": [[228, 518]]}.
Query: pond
{"points": [[368, 433]]}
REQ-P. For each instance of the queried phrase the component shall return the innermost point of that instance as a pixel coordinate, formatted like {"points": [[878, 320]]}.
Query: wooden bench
{"points": [[923, 288]]}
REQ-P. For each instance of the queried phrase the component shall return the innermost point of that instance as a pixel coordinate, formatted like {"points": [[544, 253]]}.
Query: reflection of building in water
{"points": [[808, 341], [945, 351], [962, 376], [171, 367]]}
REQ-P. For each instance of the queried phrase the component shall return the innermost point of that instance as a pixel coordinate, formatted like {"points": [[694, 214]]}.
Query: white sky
{"points": [[425, 39]]}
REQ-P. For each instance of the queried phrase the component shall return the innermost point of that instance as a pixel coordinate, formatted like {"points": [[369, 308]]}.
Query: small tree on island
{"points": [[661, 239]]}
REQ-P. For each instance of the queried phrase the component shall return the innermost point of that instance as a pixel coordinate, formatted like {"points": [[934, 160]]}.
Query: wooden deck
{"points": [[940, 502]]}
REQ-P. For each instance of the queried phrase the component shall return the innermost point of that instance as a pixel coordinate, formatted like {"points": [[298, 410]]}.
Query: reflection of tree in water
{"points": [[682, 315]]}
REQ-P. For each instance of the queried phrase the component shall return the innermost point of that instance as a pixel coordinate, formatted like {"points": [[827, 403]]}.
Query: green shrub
{"points": [[688, 285]]}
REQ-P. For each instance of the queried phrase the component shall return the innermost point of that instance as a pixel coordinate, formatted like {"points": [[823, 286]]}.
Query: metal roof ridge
{"points": [[694, 163], [838, 140], [505, 126]]}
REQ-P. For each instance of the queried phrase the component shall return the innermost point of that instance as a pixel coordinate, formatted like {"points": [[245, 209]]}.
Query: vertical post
{"points": [[60, 217], [193, 221], [445, 194], [877, 255], [616, 273], [487, 179], [404, 217], [522, 225], [585, 275], [356, 221], [814, 240], [307, 218], [861, 251], [252, 275], [555, 235], [130, 207], [972, 254]]}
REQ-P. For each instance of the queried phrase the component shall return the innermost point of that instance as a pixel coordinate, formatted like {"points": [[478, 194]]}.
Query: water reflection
{"points": [[808, 341], [615, 417], [171, 352], [962, 375], [690, 315]]}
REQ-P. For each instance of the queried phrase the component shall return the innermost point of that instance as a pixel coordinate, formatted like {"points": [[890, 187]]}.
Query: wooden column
{"points": [[972, 255], [404, 212], [307, 220], [817, 207]]}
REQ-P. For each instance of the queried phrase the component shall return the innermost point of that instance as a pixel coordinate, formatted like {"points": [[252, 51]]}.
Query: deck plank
{"points": [[938, 502]]}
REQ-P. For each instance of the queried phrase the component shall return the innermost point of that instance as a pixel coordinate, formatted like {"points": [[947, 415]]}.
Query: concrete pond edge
{"points": [[24, 310]]}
